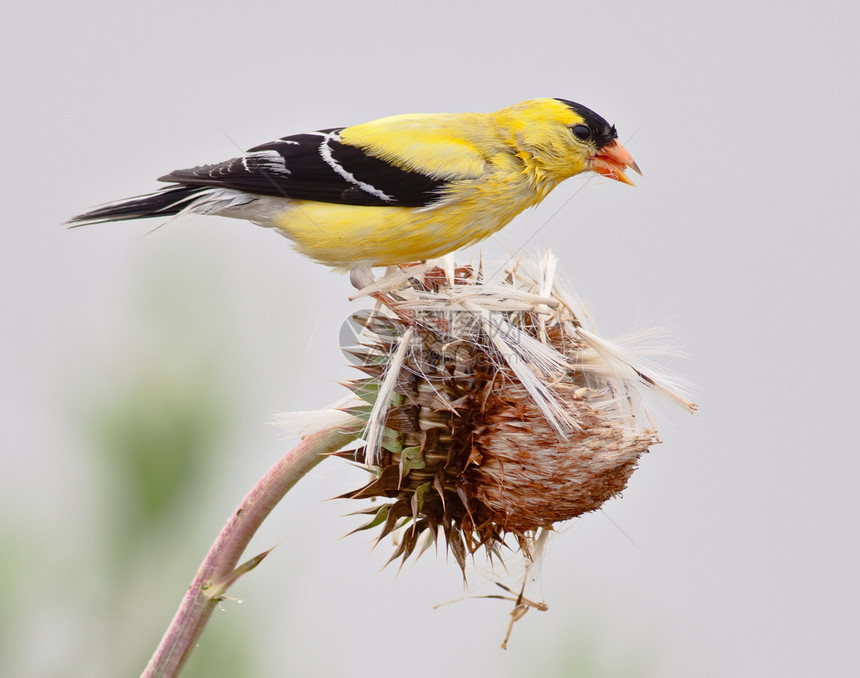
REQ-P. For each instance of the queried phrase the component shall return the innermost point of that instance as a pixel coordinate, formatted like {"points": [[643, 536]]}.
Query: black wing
{"points": [[316, 166]]}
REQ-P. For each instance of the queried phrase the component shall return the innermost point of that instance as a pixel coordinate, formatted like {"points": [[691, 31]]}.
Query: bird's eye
{"points": [[581, 132]]}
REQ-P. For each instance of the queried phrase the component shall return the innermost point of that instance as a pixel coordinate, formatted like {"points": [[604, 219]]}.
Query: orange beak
{"points": [[612, 160]]}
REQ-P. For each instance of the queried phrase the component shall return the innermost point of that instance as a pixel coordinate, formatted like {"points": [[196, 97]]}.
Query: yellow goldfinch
{"points": [[398, 189]]}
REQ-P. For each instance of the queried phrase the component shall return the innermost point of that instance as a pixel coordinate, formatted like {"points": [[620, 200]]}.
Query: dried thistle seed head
{"points": [[490, 410], [530, 478]]}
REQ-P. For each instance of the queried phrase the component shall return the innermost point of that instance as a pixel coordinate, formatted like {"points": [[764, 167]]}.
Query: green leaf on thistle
{"points": [[410, 458]]}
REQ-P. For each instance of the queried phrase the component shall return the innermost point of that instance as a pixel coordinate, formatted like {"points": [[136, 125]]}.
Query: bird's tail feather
{"points": [[166, 202]]}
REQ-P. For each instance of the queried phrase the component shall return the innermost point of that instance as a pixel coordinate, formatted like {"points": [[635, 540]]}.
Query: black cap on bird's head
{"points": [[601, 131], [611, 158]]}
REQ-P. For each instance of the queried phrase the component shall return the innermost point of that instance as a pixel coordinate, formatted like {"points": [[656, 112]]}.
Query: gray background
{"points": [[734, 552]]}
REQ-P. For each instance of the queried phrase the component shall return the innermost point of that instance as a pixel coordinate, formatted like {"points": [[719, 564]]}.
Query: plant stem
{"points": [[218, 569]]}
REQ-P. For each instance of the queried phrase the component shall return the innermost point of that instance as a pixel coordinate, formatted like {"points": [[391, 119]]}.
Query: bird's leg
{"points": [[361, 275]]}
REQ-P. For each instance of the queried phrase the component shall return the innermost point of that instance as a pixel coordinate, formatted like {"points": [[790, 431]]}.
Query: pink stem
{"points": [[196, 608]]}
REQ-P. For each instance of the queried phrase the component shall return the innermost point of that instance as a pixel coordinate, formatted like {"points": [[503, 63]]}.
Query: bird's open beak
{"points": [[612, 160]]}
